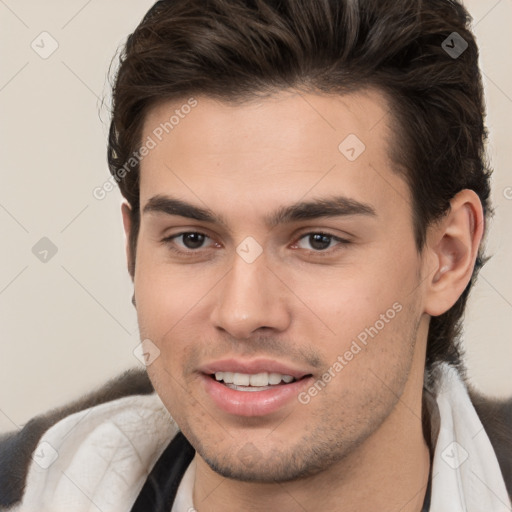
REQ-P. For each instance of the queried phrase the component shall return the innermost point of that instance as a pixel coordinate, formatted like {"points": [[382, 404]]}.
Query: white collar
{"points": [[104, 455], [466, 475]]}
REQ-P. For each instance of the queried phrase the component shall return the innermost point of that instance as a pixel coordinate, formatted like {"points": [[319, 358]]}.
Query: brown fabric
{"points": [[496, 417]]}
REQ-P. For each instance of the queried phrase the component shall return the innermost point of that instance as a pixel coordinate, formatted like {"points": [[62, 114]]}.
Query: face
{"points": [[276, 244]]}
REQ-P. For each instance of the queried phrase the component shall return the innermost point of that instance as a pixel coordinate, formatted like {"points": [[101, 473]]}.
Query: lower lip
{"points": [[253, 403]]}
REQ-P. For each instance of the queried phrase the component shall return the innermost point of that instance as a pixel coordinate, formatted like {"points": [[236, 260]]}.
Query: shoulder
{"points": [[16, 448], [496, 417]]}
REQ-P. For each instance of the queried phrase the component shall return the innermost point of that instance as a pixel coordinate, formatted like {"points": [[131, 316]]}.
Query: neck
{"points": [[389, 471]]}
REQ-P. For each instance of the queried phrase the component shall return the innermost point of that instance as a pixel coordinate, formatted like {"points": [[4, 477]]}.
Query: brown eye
{"points": [[188, 241], [319, 242], [192, 240]]}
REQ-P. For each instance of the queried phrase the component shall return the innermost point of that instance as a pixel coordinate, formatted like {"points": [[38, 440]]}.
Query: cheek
{"points": [[166, 293], [367, 365], [343, 302]]}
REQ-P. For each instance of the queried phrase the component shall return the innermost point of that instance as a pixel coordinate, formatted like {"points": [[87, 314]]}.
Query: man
{"points": [[306, 195]]}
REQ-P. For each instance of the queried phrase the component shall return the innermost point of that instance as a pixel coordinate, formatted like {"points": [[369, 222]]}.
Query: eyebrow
{"points": [[337, 206]]}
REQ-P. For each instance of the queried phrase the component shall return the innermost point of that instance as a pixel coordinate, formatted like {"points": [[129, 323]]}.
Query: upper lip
{"points": [[252, 367]]}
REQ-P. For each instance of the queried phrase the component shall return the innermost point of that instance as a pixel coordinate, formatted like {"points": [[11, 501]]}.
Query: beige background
{"points": [[68, 325]]}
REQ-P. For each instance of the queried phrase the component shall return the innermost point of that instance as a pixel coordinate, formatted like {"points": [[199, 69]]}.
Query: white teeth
{"points": [[241, 379], [274, 378], [248, 388], [260, 379], [263, 379], [227, 377]]}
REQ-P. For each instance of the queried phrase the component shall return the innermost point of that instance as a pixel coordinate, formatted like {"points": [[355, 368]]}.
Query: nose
{"points": [[250, 297]]}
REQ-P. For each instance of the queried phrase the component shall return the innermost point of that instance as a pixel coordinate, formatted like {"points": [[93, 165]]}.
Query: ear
{"points": [[452, 246], [126, 212]]}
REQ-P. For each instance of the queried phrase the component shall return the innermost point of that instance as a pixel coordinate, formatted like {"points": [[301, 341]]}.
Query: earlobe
{"points": [[126, 212], [453, 244]]}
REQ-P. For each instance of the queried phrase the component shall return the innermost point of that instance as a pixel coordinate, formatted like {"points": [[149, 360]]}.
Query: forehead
{"points": [[276, 150]]}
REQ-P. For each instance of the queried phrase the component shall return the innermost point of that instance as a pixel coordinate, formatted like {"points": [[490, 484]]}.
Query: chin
{"points": [[263, 471]]}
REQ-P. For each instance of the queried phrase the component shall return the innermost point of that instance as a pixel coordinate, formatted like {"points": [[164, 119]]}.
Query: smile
{"points": [[252, 395], [253, 382]]}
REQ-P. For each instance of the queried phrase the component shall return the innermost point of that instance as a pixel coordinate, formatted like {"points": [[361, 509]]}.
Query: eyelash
{"points": [[169, 242]]}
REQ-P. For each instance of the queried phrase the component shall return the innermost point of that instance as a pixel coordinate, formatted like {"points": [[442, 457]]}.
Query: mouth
{"points": [[247, 382], [251, 389]]}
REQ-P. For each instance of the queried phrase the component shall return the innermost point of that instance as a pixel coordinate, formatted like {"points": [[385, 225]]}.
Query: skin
{"points": [[358, 444]]}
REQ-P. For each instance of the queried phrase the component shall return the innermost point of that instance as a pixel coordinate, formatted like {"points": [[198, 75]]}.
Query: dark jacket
{"points": [[16, 448]]}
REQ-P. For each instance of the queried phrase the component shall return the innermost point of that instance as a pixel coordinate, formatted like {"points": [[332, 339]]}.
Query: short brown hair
{"points": [[239, 49]]}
